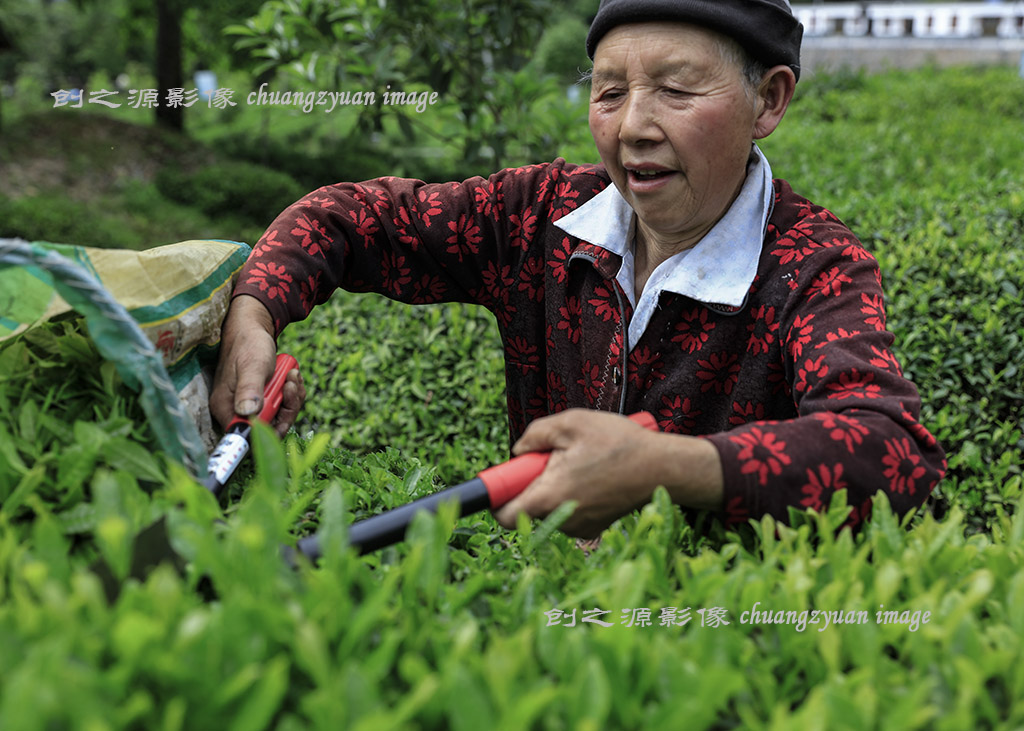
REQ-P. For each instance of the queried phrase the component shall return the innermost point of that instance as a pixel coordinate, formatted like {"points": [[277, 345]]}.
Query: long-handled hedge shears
{"points": [[490, 489]]}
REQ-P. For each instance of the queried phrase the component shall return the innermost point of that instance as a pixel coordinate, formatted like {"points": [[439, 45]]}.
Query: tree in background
{"points": [[188, 28], [168, 66], [6, 46], [190, 37], [500, 67], [473, 53], [62, 44]]}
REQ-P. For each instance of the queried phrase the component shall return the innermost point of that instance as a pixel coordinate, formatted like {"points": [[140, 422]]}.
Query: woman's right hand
{"points": [[248, 353]]}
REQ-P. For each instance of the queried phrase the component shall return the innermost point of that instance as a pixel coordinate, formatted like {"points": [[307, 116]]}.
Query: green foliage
{"points": [[74, 439], [204, 44], [428, 377], [55, 45], [925, 183], [472, 54], [562, 49], [130, 217], [234, 187], [62, 43], [464, 626], [36, 218]]}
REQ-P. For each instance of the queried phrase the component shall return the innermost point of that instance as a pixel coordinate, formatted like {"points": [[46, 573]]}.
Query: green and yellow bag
{"points": [[156, 314]]}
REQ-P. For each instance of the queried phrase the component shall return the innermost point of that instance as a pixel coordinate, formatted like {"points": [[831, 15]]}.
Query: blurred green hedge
{"points": [[231, 188]]}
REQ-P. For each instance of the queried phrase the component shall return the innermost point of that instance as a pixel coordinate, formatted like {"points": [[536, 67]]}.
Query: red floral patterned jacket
{"points": [[798, 388]]}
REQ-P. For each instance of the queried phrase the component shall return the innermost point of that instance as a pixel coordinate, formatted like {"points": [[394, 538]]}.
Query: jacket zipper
{"points": [[624, 355]]}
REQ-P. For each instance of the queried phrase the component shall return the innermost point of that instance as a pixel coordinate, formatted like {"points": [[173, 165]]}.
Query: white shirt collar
{"points": [[719, 269]]}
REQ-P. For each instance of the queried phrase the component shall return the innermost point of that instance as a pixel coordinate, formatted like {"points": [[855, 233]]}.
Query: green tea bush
{"points": [[463, 626], [924, 167], [36, 218], [430, 379], [905, 625], [235, 188]]}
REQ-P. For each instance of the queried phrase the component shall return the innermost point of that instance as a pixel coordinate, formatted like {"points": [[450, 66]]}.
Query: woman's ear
{"points": [[773, 96]]}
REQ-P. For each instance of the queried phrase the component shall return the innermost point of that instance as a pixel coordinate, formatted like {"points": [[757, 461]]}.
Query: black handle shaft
{"points": [[390, 527]]}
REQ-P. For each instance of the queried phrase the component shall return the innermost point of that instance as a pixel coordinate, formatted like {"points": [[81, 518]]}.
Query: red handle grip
{"points": [[505, 481], [273, 394]]}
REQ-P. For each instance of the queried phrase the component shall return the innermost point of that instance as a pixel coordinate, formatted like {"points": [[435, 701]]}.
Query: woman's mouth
{"points": [[645, 179]]}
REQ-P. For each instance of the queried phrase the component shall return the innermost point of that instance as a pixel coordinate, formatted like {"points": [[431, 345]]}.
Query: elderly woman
{"points": [[678, 277]]}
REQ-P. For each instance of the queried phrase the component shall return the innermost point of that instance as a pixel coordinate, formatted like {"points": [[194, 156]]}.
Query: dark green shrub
{"points": [[562, 49], [59, 220], [231, 188]]}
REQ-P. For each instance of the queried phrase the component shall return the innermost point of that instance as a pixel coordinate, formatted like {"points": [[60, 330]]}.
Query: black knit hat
{"points": [[766, 29]]}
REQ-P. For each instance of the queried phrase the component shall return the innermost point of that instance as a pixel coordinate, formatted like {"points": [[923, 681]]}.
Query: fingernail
{"points": [[244, 408]]}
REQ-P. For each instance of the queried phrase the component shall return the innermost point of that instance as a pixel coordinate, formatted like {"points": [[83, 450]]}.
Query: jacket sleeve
{"points": [[857, 424], [408, 240]]}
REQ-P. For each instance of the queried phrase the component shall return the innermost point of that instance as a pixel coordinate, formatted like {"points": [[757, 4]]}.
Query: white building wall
{"points": [[920, 20]]}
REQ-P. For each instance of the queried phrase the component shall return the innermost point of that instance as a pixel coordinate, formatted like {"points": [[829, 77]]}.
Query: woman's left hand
{"points": [[609, 465], [603, 461]]}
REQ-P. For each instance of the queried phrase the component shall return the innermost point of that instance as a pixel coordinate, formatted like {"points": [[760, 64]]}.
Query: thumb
{"points": [[252, 380]]}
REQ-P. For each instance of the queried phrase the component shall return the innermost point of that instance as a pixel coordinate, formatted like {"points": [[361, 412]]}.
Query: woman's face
{"points": [[673, 122]]}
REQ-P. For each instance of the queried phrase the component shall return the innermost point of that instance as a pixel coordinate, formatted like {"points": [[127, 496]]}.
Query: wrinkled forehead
{"points": [[663, 47]]}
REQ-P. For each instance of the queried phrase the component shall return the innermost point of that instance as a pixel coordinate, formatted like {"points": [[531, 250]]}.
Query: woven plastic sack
{"points": [[156, 314]]}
